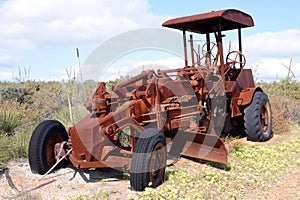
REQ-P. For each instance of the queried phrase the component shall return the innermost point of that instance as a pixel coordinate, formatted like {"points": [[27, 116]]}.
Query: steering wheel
{"points": [[213, 50], [233, 58]]}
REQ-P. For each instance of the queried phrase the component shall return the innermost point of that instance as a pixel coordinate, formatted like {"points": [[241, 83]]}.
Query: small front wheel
{"points": [[41, 146], [148, 162]]}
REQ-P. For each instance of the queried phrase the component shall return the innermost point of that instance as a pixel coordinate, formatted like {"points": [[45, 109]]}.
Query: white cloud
{"points": [[270, 69], [4, 57], [267, 53], [65, 74], [33, 22], [280, 44], [133, 67], [32, 30], [6, 76]]}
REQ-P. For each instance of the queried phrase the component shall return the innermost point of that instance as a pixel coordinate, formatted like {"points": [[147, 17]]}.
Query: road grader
{"points": [[165, 114]]}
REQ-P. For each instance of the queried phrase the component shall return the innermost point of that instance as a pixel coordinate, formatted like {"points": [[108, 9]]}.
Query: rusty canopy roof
{"points": [[209, 22]]}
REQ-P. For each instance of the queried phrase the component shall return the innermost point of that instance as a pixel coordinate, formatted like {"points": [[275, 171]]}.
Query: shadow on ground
{"points": [[96, 175]]}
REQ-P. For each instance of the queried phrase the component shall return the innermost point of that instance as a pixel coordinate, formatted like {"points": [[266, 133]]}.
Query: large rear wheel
{"points": [[258, 118], [41, 146], [148, 162]]}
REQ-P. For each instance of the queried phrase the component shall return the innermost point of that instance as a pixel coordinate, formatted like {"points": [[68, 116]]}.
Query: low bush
{"points": [[13, 116], [284, 97], [69, 117]]}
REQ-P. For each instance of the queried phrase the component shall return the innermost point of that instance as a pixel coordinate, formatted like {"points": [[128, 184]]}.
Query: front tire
{"points": [[148, 162], [41, 146], [258, 118]]}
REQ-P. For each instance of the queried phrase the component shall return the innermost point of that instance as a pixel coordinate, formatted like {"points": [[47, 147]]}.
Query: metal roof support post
{"points": [[220, 50], [185, 49], [192, 49], [207, 42], [208, 48], [240, 45]]}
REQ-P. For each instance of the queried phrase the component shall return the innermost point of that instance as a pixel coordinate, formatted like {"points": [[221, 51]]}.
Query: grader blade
{"points": [[207, 147], [198, 145]]}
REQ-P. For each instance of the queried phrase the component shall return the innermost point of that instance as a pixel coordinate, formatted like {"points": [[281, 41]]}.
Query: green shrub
{"points": [[14, 115], [280, 122], [66, 118], [285, 102], [7, 151], [9, 121], [20, 93], [14, 147], [16, 125], [286, 87], [21, 141], [10, 117]]}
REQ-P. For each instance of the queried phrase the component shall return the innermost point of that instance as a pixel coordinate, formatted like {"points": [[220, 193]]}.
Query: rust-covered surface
{"points": [[177, 102], [182, 103], [159, 115], [167, 99], [210, 22]]}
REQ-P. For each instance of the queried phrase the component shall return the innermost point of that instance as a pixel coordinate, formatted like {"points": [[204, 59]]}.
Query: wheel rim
{"points": [[265, 117], [157, 164], [53, 139]]}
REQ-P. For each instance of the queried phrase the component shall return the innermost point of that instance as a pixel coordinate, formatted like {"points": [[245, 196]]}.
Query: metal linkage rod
{"points": [[70, 150]]}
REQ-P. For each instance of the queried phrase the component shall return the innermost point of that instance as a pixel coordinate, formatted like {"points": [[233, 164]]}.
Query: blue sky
{"points": [[268, 15], [43, 35]]}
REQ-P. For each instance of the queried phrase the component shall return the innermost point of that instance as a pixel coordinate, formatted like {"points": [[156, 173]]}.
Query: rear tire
{"points": [[148, 162], [41, 146], [258, 118]]}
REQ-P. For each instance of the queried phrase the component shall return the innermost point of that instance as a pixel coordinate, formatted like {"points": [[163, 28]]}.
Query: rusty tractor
{"points": [[163, 114]]}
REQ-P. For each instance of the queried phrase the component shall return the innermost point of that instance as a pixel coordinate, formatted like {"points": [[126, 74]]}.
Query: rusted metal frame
{"points": [[179, 123], [215, 86], [230, 86], [88, 162], [243, 90], [86, 139], [185, 70], [150, 89], [121, 88], [111, 123], [120, 162], [132, 140], [183, 111], [185, 49], [235, 110], [180, 117], [111, 150], [158, 108], [126, 122]]}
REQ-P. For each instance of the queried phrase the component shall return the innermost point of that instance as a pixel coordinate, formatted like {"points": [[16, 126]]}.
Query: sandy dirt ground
{"points": [[18, 181]]}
